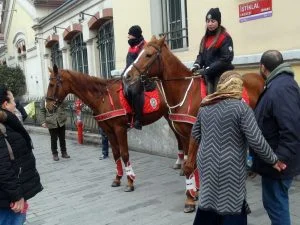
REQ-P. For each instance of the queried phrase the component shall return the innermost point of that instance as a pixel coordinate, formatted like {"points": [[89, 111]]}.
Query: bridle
{"points": [[143, 74], [143, 77], [54, 98]]}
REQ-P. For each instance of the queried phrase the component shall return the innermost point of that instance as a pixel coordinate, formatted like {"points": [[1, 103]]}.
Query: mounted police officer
{"points": [[216, 51], [135, 92]]}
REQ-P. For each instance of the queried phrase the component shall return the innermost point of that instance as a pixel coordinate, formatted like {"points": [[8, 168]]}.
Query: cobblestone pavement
{"points": [[77, 191]]}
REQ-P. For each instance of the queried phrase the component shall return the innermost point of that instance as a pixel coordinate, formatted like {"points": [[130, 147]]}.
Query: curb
{"points": [[88, 138]]}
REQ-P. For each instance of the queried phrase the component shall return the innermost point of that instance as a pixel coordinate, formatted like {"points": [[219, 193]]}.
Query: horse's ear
{"points": [[55, 69], [162, 40], [153, 38]]}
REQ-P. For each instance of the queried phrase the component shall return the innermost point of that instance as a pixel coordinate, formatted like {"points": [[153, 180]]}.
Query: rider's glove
{"points": [[195, 67], [201, 71]]}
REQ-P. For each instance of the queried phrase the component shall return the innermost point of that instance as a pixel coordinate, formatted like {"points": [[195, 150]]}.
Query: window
{"points": [[106, 46], [79, 54], [175, 24], [21, 47], [56, 56]]}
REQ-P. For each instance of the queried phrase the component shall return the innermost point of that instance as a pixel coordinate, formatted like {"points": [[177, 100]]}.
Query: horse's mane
{"points": [[91, 82], [162, 43]]}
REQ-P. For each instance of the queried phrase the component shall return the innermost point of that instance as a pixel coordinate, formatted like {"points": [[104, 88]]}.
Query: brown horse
{"points": [[182, 94], [102, 96]]}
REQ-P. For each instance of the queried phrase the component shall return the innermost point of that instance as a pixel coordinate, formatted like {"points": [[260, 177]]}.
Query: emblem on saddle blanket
{"points": [[151, 103]]}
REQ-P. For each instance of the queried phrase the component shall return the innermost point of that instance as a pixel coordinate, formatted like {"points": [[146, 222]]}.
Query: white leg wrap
{"points": [[129, 172], [190, 184]]}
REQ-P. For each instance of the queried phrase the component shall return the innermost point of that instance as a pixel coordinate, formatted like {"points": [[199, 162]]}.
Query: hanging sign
{"points": [[255, 10]]}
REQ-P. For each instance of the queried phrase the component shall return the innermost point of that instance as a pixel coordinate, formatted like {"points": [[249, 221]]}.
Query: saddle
{"points": [[152, 101]]}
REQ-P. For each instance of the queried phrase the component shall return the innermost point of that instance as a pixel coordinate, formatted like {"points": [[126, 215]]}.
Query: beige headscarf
{"points": [[230, 86]]}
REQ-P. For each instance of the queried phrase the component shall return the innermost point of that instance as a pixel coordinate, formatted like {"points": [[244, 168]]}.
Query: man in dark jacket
{"points": [[19, 178], [278, 116], [135, 92], [216, 51]]}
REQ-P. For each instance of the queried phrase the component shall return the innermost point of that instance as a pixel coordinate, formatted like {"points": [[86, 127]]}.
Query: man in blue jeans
{"points": [[104, 141], [278, 116]]}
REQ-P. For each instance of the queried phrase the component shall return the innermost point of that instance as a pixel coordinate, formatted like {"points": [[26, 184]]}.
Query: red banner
{"points": [[255, 7]]}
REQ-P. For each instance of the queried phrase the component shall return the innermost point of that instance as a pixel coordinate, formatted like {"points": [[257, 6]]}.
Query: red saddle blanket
{"points": [[152, 101]]}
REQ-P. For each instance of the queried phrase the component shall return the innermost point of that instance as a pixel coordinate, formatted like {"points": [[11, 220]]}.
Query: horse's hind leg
{"points": [[121, 133], [180, 154], [117, 157]]}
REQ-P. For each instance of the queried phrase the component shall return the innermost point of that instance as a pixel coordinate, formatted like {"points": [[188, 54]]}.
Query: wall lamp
{"points": [[81, 16], [57, 27], [36, 39]]}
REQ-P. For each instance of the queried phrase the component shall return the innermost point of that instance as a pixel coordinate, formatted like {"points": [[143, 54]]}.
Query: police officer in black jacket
{"points": [[216, 51], [135, 92]]}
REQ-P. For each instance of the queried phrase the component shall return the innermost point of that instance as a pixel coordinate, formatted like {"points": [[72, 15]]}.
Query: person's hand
{"points": [[195, 67], [44, 125], [17, 206], [279, 166]]}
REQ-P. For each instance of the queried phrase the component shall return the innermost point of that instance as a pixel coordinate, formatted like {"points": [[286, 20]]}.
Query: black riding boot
{"points": [[138, 106]]}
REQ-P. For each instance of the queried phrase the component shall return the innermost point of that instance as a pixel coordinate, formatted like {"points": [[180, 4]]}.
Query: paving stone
{"points": [[78, 191]]}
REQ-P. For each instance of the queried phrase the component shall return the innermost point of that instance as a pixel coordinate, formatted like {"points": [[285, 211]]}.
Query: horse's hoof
{"points": [[176, 166], [181, 173], [115, 184], [189, 208], [129, 188]]}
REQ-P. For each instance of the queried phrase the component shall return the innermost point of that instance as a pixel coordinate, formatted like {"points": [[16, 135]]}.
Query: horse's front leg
{"points": [[180, 155], [121, 133], [192, 177], [112, 138]]}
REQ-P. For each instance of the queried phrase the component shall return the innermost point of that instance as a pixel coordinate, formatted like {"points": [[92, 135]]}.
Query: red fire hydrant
{"points": [[79, 123]]}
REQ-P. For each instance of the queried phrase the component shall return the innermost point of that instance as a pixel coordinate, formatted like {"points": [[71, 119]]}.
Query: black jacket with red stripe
{"points": [[133, 53], [216, 57]]}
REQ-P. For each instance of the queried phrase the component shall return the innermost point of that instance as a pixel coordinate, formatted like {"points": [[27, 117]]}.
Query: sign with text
{"points": [[255, 10]]}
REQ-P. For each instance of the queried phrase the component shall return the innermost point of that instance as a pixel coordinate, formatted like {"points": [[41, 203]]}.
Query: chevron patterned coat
{"points": [[224, 130]]}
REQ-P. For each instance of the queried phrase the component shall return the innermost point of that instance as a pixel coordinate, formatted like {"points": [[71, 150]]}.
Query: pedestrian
{"points": [[104, 141], [55, 121], [216, 51], [19, 178], [277, 114], [224, 126], [135, 92], [20, 111]]}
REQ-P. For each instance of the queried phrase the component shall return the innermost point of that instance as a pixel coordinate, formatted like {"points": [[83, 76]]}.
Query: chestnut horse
{"points": [[181, 90], [102, 96]]}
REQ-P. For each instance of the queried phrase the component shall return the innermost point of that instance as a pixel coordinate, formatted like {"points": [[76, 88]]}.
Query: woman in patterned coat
{"points": [[224, 127]]}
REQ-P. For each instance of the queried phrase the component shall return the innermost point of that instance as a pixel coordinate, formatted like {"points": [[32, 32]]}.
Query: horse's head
{"points": [[55, 93], [148, 63]]}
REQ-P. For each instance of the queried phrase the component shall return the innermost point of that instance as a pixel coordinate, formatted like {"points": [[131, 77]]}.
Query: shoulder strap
{"points": [[10, 151]]}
